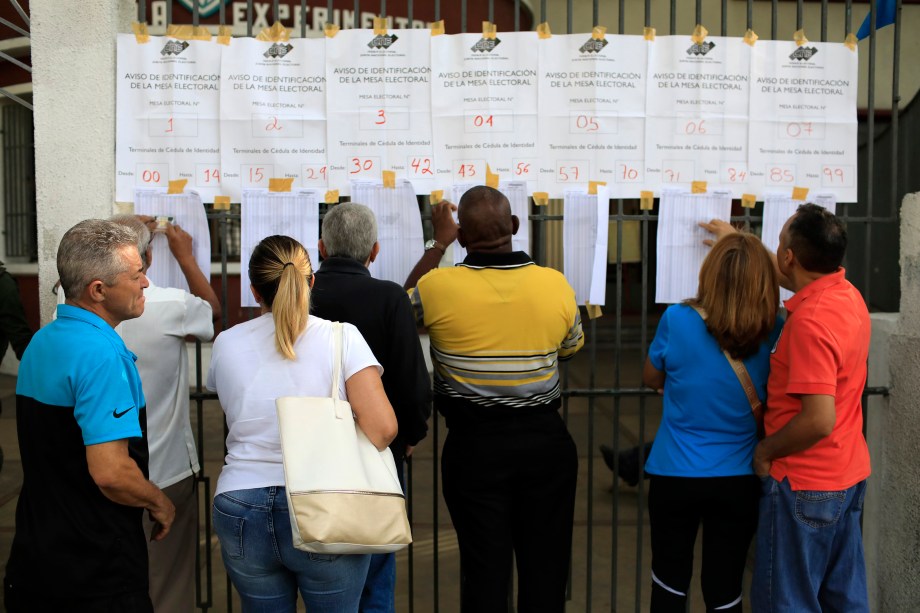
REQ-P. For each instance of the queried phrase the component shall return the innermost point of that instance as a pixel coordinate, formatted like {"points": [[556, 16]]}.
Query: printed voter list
{"points": [[167, 124], [803, 128], [273, 114], [484, 107], [592, 113], [380, 107], [696, 129]]}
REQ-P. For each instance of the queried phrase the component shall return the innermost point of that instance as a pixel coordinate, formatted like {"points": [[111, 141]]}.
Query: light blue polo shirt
{"points": [[78, 361], [77, 386]]}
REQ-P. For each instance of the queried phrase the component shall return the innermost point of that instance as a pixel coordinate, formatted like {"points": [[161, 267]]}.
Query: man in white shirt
{"points": [[158, 339]]}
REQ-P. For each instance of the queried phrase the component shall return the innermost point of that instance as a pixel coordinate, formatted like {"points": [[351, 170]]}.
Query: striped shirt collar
{"points": [[514, 259]]}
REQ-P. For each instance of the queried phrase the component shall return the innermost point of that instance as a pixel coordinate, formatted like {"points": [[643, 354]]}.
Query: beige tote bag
{"points": [[343, 494]]}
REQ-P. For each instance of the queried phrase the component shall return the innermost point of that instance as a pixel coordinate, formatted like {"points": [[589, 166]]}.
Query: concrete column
{"points": [[73, 60], [884, 325], [899, 534]]}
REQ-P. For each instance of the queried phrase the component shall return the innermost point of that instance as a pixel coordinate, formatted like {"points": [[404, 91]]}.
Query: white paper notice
{"points": [[516, 193], [484, 107], [803, 129], [167, 115], [399, 227], [777, 209], [680, 240], [272, 114], [697, 122], [456, 253], [263, 214], [380, 107], [592, 113], [584, 244], [187, 212]]}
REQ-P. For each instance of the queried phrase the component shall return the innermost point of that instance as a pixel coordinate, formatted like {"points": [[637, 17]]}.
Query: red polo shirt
{"points": [[823, 350]]}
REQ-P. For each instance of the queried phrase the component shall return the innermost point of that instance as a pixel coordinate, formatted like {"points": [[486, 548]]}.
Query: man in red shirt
{"points": [[814, 460]]}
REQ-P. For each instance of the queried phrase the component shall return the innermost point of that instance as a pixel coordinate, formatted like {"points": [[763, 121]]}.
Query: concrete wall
{"points": [[899, 527], [884, 325], [74, 98]]}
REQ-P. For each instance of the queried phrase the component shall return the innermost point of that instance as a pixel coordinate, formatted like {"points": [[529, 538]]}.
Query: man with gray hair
{"points": [[80, 418], [345, 291], [158, 339]]}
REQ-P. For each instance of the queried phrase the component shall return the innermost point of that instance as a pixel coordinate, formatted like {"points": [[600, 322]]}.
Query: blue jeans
{"points": [[379, 594], [809, 556], [380, 587], [254, 529]]}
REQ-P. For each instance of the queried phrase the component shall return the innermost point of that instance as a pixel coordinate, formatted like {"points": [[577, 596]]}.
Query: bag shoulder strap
{"points": [[740, 371], [337, 334]]}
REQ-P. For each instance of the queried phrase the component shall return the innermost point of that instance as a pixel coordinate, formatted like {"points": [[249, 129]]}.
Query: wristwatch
{"points": [[433, 244]]}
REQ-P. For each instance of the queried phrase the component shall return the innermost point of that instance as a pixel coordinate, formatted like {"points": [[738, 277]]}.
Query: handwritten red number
{"points": [[833, 174], [313, 173], [273, 125], [421, 166], [779, 175], [695, 127], [795, 130], [359, 165], [629, 174], [588, 124]]}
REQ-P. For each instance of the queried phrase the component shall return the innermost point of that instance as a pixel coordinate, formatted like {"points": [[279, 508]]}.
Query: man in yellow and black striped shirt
{"points": [[499, 324]]}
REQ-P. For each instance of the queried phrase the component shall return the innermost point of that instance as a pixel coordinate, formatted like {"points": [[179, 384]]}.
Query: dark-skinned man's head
{"points": [[486, 222]]}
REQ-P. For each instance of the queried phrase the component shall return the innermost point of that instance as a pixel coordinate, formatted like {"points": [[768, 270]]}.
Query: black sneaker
{"points": [[628, 462], [607, 454]]}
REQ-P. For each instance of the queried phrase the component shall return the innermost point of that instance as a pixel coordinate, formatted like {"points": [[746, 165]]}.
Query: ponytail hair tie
{"points": [[286, 264]]}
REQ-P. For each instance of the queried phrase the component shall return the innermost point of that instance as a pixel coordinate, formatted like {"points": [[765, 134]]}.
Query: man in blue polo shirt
{"points": [[80, 417]]}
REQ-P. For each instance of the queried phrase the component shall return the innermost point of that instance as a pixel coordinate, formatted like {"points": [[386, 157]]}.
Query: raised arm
{"points": [[445, 233], [720, 228], [180, 244]]}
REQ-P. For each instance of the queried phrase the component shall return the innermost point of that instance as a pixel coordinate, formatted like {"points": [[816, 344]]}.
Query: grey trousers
{"points": [[172, 560]]}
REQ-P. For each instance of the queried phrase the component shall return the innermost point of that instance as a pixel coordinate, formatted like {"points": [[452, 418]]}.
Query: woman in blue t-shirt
{"points": [[700, 465]]}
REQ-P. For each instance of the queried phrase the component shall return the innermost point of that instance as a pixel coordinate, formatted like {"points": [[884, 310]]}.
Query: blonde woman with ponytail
{"points": [[284, 352]]}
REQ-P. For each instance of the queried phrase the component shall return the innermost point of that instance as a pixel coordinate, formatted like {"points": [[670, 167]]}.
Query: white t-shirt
{"points": [[248, 373], [158, 339]]}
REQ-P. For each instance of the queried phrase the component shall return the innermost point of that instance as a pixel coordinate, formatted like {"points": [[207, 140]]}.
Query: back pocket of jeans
{"points": [[819, 509], [229, 531]]}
